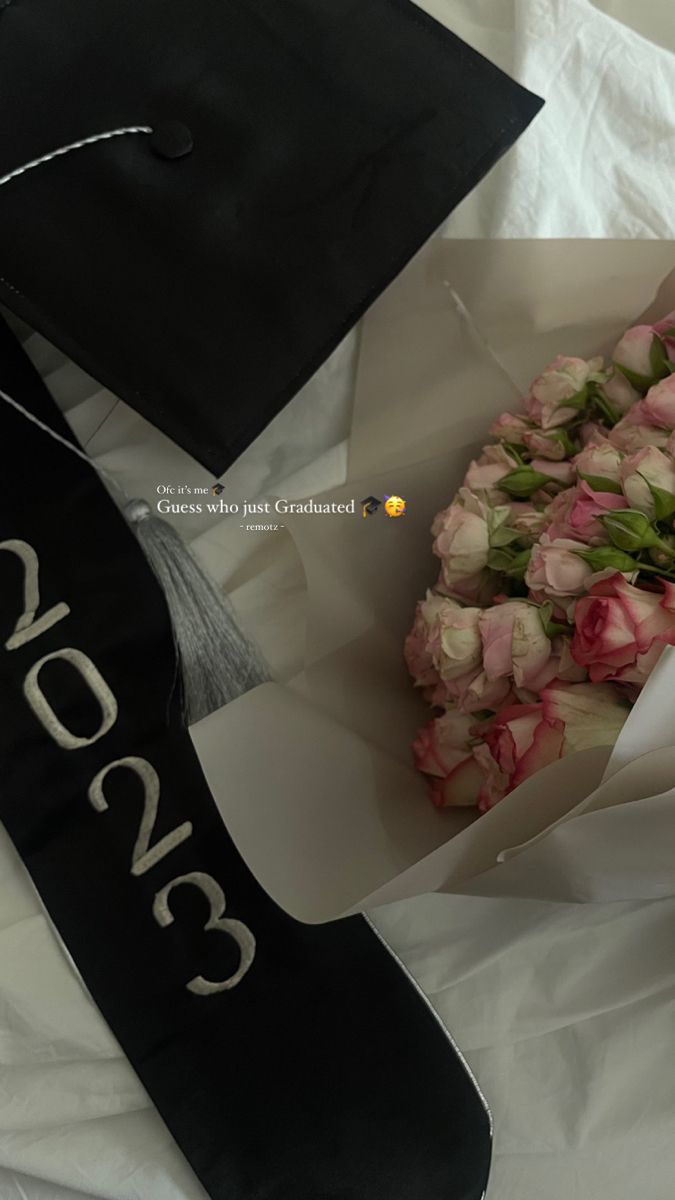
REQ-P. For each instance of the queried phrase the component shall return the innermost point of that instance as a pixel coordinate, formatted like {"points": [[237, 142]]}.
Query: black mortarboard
{"points": [[302, 151]]}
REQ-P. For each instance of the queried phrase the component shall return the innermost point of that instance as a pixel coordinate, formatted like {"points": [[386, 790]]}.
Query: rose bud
{"points": [[422, 643], [554, 445], [459, 648], [640, 355], [442, 750], [520, 741], [514, 643], [619, 392], [666, 331], [560, 391], [461, 541], [658, 405], [600, 466], [556, 571], [618, 622], [637, 430], [592, 434], [648, 481], [509, 427]]}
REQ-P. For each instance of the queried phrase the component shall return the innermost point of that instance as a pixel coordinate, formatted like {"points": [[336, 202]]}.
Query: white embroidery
{"points": [[143, 857], [44, 711], [88, 141], [236, 929], [27, 627]]}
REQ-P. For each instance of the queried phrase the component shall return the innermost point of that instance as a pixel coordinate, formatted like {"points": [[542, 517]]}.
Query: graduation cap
{"points": [[370, 505], [287, 161]]}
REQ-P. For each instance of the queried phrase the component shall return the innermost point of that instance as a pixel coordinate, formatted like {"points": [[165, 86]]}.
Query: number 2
{"points": [[143, 856], [240, 933], [27, 627]]}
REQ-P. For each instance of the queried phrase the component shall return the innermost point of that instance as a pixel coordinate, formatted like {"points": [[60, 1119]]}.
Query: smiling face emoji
{"points": [[394, 506]]}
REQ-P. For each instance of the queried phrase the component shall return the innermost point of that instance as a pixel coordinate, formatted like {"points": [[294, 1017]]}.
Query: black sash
{"points": [[290, 1062], [303, 151]]}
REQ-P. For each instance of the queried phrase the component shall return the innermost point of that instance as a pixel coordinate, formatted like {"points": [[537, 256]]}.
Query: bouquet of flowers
{"points": [[556, 592]]}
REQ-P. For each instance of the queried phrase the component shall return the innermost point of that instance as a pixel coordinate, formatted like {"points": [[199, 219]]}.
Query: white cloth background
{"points": [[564, 1012]]}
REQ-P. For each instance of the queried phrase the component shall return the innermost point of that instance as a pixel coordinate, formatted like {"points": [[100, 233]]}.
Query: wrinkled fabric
{"points": [[565, 1014]]}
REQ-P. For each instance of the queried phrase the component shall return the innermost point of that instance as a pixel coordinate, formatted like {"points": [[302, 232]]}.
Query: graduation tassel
{"points": [[217, 661]]}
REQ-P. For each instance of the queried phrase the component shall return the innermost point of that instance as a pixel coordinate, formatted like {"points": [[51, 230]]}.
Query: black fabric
{"points": [[323, 1075], [331, 138]]}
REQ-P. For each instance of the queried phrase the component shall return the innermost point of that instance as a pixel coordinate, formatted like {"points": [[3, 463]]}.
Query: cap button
{"points": [[171, 139]]}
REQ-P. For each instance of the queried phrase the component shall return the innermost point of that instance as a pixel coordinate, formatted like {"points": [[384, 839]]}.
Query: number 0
{"points": [[44, 711]]}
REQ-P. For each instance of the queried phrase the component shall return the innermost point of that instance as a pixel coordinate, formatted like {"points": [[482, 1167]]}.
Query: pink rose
{"points": [[620, 393], [442, 751], [545, 445], [592, 434], [599, 461], [459, 647], [666, 331], [527, 519], [556, 571], [485, 477], [462, 542], [634, 351], [564, 379], [658, 405], [423, 642], [479, 589], [514, 643], [474, 692], [562, 473], [509, 427], [592, 714], [649, 468], [417, 656], [617, 623], [574, 514], [520, 741], [636, 430], [462, 538], [484, 474]]}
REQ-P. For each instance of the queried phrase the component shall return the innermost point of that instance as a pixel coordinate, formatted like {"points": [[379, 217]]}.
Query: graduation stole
{"points": [[290, 1062]]}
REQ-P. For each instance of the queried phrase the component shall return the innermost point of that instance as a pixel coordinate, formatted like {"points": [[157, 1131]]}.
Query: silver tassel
{"points": [[218, 662]]}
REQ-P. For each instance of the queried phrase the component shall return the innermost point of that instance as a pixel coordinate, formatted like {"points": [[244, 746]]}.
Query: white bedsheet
{"points": [[564, 1013]]}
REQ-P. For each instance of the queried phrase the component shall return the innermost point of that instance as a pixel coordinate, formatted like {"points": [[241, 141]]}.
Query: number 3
{"points": [[236, 929]]}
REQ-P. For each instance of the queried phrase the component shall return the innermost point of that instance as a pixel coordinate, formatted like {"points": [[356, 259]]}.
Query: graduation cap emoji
{"points": [[267, 169], [370, 505]]}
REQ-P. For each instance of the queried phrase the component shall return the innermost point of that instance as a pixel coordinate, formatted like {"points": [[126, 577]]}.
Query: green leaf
{"points": [[562, 436], [503, 536], [658, 358], [641, 383], [664, 502], [551, 627], [600, 483], [578, 400], [629, 529], [605, 409], [500, 560], [602, 557], [520, 564], [523, 481]]}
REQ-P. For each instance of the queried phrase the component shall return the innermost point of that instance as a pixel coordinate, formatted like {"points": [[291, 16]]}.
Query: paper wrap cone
{"points": [[314, 776]]}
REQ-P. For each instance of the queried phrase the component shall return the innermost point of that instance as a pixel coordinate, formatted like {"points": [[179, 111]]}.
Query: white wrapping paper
{"points": [[314, 776]]}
